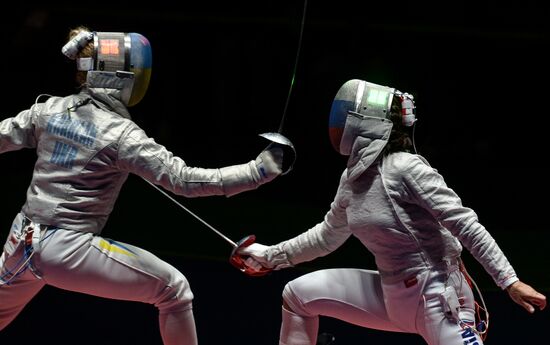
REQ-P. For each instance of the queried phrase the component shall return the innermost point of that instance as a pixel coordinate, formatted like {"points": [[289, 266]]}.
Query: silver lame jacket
{"points": [[401, 209], [404, 213], [86, 146]]}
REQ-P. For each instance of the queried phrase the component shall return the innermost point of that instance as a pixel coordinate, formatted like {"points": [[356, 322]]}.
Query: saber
{"points": [[227, 239], [235, 258], [295, 67], [278, 137]]}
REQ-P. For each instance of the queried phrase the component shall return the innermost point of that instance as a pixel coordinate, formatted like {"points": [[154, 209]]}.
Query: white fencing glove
{"points": [[260, 256], [269, 163], [256, 256], [248, 176]]}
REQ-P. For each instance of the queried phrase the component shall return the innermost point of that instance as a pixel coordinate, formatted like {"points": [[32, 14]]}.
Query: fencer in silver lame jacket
{"points": [[401, 209], [87, 145]]}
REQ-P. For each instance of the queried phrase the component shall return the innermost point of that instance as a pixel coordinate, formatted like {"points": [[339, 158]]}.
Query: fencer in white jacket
{"points": [[402, 211], [86, 146]]}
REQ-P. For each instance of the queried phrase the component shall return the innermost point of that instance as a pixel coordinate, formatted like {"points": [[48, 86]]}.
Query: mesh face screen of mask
{"points": [[377, 97], [109, 47]]}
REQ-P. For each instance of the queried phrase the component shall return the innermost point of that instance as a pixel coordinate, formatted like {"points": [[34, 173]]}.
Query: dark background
{"points": [[221, 75]]}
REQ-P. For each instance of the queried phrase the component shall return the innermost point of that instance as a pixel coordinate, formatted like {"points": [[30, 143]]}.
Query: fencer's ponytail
{"points": [[400, 139], [86, 51]]}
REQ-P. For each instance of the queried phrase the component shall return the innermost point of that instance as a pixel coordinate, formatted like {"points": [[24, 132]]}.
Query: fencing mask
{"points": [[119, 61], [358, 100]]}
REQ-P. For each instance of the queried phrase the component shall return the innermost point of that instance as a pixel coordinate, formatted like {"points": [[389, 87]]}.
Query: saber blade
{"points": [[232, 243]]}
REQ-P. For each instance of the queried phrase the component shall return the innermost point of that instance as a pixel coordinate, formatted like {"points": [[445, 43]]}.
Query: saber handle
{"points": [[238, 260], [227, 239]]}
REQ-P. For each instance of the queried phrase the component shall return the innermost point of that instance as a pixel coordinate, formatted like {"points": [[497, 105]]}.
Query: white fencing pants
{"points": [[90, 264], [359, 297]]}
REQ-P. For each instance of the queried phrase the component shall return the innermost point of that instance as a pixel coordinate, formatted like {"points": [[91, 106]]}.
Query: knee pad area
{"points": [[176, 296], [293, 300]]}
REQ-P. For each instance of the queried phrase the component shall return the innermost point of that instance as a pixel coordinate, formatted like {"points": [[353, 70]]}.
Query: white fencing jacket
{"points": [[400, 208], [86, 146]]}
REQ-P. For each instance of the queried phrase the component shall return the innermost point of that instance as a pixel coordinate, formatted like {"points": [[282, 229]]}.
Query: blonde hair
{"points": [[86, 51]]}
